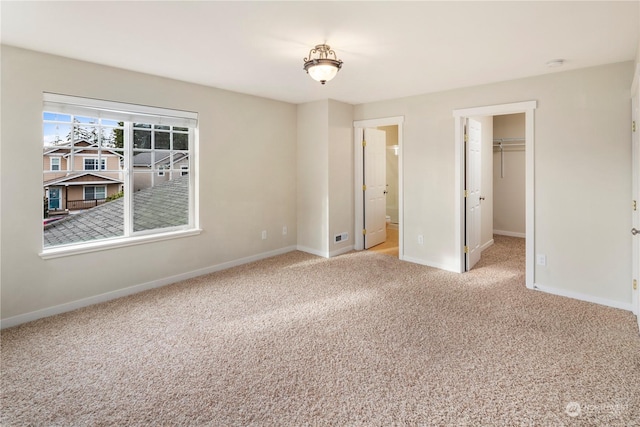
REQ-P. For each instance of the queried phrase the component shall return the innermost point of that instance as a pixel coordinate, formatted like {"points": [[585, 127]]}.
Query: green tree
{"points": [[92, 132], [118, 136]]}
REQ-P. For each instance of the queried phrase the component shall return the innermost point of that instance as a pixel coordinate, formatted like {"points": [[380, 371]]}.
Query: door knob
{"points": [[634, 231]]}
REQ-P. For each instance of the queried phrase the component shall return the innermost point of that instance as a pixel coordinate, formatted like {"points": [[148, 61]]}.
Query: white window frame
{"points": [[95, 187], [129, 114], [102, 161], [51, 164]]}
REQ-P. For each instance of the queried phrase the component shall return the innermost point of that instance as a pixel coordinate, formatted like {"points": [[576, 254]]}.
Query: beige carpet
{"points": [[359, 340]]}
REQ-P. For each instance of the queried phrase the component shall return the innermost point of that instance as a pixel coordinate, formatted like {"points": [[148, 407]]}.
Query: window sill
{"points": [[104, 245]]}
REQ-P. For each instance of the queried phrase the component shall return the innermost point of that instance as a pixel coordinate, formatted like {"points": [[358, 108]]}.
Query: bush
{"points": [[115, 196]]}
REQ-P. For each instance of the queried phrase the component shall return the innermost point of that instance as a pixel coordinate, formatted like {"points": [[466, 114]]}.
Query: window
{"points": [[141, 153], [54, 163], [92, 164], [95, 192]]}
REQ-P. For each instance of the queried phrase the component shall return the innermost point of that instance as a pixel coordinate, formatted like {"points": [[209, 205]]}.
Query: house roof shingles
{"points": [[165, 205], [162, 158]]}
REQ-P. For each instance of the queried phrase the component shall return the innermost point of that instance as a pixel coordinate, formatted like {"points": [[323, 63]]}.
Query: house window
{"points": [[95, 192], [54, 163], [92, 164], [131, 146]]}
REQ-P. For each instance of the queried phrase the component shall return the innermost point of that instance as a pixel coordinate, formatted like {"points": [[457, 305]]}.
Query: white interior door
{"points": [[635, 218], [375, 186], [473, 173]]}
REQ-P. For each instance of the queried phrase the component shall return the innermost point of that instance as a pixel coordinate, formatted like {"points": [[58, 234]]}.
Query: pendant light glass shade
{"points": [[322, 64]]}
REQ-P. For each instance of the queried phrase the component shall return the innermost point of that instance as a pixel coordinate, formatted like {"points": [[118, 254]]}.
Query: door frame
{"points": [[635, 191], [460, 115], [358, 133]]}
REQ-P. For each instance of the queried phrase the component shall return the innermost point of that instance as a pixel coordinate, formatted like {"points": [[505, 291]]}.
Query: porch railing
{"points": [[84, 204]]}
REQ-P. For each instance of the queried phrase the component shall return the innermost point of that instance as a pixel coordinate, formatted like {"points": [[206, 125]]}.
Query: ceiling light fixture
{"points": [[322, 64]]}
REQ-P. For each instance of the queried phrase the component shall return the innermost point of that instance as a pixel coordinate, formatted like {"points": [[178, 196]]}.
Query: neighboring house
{"points": [[80, 178], [148, 172], [165, 205]]}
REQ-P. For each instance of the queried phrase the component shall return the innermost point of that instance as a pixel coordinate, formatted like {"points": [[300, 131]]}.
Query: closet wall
{"points": [[509, 175], [392, 173]]}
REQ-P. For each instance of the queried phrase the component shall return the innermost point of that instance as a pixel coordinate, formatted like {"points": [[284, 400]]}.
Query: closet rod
{"points": [[501, 145], [508, 139]]}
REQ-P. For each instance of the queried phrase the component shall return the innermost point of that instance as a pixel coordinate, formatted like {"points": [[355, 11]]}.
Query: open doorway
{"points": [[509, 168], [465, 228], [391, 243], [494, 183], [389, 214]]}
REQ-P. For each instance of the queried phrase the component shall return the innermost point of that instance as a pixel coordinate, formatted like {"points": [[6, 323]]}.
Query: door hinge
{"points": [[466, 193], [635, 205], [466, 137], [466, 249], [635, 285], [364, 232], [633, 126], [364, 188], [364, 143]]}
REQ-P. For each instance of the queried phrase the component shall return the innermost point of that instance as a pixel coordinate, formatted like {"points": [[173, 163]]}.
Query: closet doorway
{"points": [[509, 165], [486, 115], [494, 183]]}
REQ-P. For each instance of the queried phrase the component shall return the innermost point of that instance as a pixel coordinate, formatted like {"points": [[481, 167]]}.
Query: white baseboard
{"points": [[108, 296], [583, 297], [427, 263], [341, 251], [313, 251], [509, 233], [486, 245]]}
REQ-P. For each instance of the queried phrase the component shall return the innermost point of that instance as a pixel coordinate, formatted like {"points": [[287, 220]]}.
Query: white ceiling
{"points": [[390, 49]]}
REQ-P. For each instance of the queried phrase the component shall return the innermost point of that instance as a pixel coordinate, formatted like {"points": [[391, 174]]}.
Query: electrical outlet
{"points": [[420, 239], [541, 259], [264, 234], [284, 230]]}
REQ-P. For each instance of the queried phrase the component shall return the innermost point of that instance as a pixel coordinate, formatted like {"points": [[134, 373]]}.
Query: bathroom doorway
{"points": [[392, 211], [392, 127]]}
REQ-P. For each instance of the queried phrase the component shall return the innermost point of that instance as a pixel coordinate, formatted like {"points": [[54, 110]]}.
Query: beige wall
{"points": [[325, 176], [313, 177], [582, 175], [509, 189], [341, 197], [247, 171]]}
